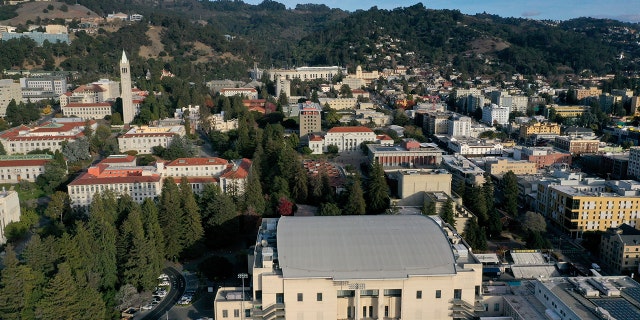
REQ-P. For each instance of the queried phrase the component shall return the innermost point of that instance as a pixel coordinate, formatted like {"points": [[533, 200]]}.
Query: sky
{"points": [[624, 10]]}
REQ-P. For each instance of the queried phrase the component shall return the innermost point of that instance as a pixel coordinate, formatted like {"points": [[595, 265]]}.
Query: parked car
{"points": [[148, 306]]}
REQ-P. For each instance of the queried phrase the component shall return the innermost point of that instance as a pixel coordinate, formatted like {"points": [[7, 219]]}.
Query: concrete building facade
{"points": [[9, 211], [143, 139], [620, 249], [9, 90], [128, 110]]}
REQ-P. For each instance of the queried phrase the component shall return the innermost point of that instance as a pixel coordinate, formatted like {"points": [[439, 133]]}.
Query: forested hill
{"points": [[223, 38]]}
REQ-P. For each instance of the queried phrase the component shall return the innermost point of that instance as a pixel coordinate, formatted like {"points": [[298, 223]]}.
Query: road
{"points": [[177, 290]]}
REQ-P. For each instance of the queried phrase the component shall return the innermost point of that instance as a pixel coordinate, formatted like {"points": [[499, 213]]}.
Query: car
{"points": [[148, 306], [163, 276], [164, 283]]}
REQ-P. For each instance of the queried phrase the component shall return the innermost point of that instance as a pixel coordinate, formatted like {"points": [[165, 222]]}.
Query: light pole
{"points": [[242, 276]]}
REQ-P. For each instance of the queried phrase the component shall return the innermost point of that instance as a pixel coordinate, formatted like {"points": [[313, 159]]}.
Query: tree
{"points": [[474, 235], [355, 198], [153, 234], [533, 222], [77, 150], [285, 206], [19, 286], [345, 91], [59, 206], [169, 216], [299, 188], [55, 174], [378, 190], [254, 201], [446, 213], [191, 224], [102, 142], [2, 150], [102, 226], [329, 209], [400, 118], [535, 240], [219, 215], [179, 147], [429, 208], [510, 193]]}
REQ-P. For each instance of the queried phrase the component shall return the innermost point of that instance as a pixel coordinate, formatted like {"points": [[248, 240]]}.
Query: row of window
{"points": [[236, 313]]}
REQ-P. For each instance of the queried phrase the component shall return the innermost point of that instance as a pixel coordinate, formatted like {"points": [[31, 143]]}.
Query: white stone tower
{"points": [[128, 111]]}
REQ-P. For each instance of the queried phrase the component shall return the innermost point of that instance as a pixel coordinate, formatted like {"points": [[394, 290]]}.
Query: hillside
{"points": [[35, 11]]}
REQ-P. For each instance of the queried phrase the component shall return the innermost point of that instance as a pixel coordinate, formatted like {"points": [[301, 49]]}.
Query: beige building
{"points": [[539, 128], [568, 111], [577, 144], [143, 139], [9, 90], [620, 249], [87, 111], [586, 93], [340, 103], [218, 123], [248, 93], [9, 211], [307, 73], [356, 267], [413, 184], [500, 166], [310, 118]]}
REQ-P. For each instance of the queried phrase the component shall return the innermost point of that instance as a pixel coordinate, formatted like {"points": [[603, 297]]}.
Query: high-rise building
{"points": [[9, 90], [128, 111], [310, 118]]}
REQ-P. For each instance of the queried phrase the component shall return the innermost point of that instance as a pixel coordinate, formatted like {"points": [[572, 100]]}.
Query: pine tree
{"points": [[429, 208], [510, 192], [169, 217], [41, 254], [154, 236], [191, 224], [378, 189], [220, 216], [102, 226], [134, 260], [329, 209], [355, 200], [254, 201], [18, 288]]}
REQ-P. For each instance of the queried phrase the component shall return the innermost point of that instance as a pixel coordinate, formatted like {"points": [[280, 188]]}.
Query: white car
{"points": [[164, 283], [147, 307]]}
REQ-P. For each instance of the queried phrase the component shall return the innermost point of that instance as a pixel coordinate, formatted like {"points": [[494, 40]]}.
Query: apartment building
{"points": [[437, 122], [596, 206], [143, 139], [620, 249], [9, 211], [307, 73], [542, 156], [527, 130], [577, 144], [633, 168], [23, 139], [424, 272], [459, 126], [16, 168], [495, 114], [587, 93]]}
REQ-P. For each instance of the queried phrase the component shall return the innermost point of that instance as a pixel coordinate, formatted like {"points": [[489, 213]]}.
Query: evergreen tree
{"points": [[19, 286], [429, 208], [41, 254], [134, 260], [535, 240], [102, 226], [59, 207], [510, 193], [153, 235], [191, 224], [315, 189], [219, 215], [2, 150], [254, 201], [446, 213], [355, 198], [329, 209], [169, 216], [300, 188], [378, 189]]}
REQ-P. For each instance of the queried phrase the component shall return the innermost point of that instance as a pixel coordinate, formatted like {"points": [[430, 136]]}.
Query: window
{"points": [[419, 294], [225, 313], [258, 294], [364, 311], [496, 307], [457, 293], [299, 296], [438, 294], [279, 297], [386, 311], [370, 311], [236, 313]]}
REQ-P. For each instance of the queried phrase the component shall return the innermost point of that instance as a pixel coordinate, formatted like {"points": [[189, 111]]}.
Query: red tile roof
{"points": [[383, 137], [195, 179], [349, 129], [128, 158], [89, 88], [197, 162], [23, 163], [239, 172], [142, 135], [88, 179]]}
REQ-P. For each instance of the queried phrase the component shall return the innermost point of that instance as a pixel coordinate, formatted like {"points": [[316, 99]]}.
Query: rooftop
{"points": [[363, 247]]}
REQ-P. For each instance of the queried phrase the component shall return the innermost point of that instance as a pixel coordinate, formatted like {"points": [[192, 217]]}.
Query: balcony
{"points": [[274, 311]]}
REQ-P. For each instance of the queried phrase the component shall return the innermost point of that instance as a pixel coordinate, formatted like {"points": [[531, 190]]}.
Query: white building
{"points": [[23, 139], [373, 267], [248, 93], [143, 139], [283, 86], [494, 114], [9, 90], [346, 139], [47, 87], [633, 170], [128, 109], [9, 211], [16, 168], [216, 122], [468, 147], [459, 126], [307, 73]]}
